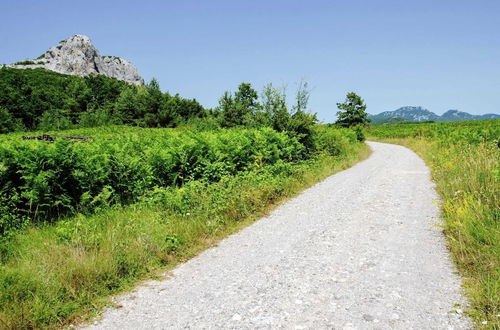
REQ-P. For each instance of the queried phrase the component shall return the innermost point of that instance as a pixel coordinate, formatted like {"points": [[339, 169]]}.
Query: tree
{"points": [[302, 97], [8, 123], [226, 106], [275, 108], [247, 97], [352, 111], [240, 109], [127, 107], [301, 123], [154, 100]]}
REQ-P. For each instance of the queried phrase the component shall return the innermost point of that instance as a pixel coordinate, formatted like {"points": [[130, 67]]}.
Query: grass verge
{"points": [[60, 274], [467, 178]]}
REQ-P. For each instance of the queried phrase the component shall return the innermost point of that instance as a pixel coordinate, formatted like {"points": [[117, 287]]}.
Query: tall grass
{"points": [[62, 273], [467, 175]]}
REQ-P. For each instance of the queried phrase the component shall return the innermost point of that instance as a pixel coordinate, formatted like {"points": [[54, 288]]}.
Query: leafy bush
{"points": [[360, 135], [9, 123], [52, 120], [41, 181], [333, 141]]}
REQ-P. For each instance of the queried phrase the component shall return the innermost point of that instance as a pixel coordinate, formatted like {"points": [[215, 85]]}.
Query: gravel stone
{"points": [[367, 235]]}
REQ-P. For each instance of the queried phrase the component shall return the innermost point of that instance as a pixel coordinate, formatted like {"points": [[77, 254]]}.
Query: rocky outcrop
{"points": [[78, 56]]}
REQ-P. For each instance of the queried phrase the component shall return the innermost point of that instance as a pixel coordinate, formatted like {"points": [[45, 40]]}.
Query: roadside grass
{"points": [[468, 180], [62, 274]]}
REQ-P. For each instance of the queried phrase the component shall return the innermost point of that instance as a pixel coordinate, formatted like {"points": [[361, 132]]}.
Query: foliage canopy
{"points": [[41, 99], [352, 111]]}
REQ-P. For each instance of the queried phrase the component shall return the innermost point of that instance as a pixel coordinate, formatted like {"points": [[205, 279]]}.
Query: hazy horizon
{"points": [[437, 55]]}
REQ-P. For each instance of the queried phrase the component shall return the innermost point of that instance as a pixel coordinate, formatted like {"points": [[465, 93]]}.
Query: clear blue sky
{"points": [[438, 54]]}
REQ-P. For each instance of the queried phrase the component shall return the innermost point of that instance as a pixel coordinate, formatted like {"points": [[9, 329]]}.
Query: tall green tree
{"points": [[127, 107], [238, 110], [352, 111], [275, 108], [226, 106], [247, 97]]}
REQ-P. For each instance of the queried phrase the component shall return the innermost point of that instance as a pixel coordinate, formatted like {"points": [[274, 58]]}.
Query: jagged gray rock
{"points": [[78, 56]]}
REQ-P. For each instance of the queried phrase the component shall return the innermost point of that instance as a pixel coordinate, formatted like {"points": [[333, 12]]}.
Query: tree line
{"points": [[33, 99]]}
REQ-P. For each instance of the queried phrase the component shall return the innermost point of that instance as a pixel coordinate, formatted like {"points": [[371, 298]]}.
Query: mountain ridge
{"points": [[78, 56], [420, 114]]}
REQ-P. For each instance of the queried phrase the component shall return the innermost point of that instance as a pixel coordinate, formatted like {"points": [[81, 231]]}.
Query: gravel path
{"points": [[360, 250]]}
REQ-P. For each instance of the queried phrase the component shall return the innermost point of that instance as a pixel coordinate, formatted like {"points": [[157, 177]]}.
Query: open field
{"points": [[464, 158]]}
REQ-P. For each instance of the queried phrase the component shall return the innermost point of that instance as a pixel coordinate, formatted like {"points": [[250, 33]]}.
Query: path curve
{"points": [[360, 250]]}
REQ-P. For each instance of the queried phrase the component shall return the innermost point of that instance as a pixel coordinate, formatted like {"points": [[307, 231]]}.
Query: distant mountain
{"points": [[405, 114], [419, 114], [78, 56], [455, 115], [489, 116]]}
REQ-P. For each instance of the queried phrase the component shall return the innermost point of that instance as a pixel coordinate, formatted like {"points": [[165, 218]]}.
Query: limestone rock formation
{"points": [[78, 56]]}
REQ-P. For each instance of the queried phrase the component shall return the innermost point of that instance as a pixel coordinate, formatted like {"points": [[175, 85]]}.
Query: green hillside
{"points": [[41, 99]]}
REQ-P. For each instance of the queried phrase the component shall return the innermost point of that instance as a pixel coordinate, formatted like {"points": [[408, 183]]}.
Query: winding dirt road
{"points": [[360, 250]]}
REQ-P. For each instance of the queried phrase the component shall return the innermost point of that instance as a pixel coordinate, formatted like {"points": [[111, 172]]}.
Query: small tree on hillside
{"points": [[352, 111]]}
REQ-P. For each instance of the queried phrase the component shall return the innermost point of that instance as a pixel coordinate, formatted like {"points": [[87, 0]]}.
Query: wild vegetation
{"points": [[183, 189], [82, 219], [464, 158], [40, 99], [43, 181]]}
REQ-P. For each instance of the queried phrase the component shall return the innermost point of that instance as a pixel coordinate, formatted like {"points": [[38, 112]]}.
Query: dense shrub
{"points": [[333, 141], [40, 181]]}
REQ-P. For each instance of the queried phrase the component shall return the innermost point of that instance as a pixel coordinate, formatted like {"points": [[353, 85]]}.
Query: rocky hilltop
{"points": [[78, 56]]}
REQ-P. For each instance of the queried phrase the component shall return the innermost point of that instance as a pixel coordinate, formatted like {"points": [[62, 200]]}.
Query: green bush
{"points": [[52, 120], [41, 181], [8, 123]]}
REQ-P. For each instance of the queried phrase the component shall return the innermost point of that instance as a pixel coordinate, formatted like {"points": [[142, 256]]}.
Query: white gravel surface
{"points": [[360, 250]]}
